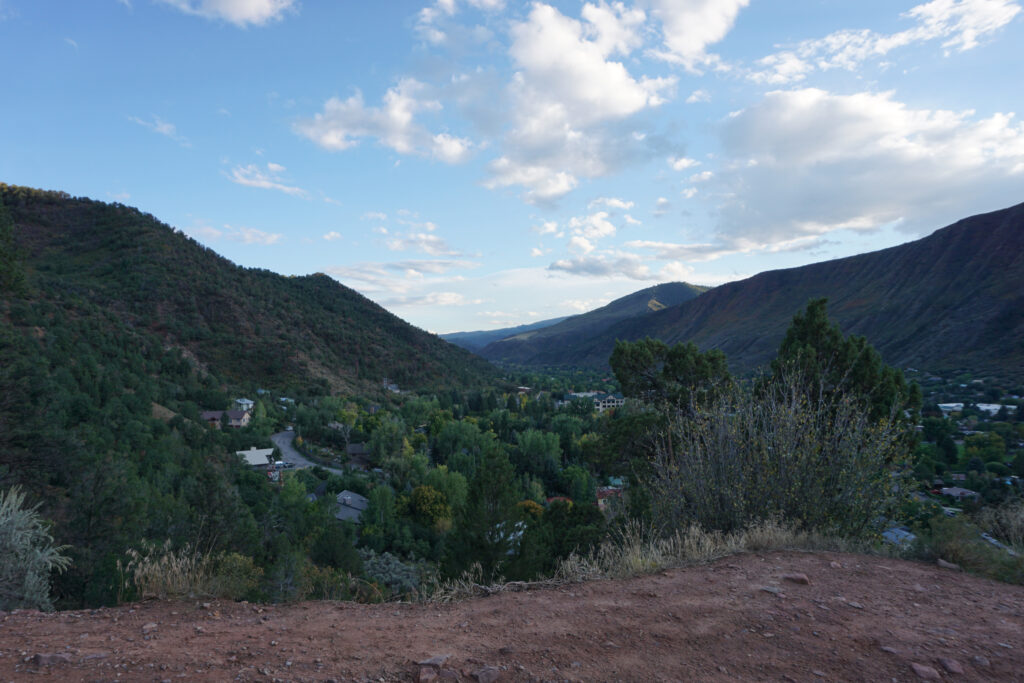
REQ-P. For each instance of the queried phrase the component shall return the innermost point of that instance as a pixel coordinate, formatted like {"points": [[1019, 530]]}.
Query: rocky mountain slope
{"points": [[857, 618], [950, 301]]}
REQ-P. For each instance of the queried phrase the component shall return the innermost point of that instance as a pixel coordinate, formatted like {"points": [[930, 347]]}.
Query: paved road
{"points": [[283, 441]]}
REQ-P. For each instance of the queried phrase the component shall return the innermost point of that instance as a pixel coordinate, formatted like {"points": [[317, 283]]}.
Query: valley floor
{"points": [[859, 619]]}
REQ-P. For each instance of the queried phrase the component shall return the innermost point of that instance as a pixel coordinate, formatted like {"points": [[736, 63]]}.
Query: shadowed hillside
{"points": [[549, 346], [948, 301]]}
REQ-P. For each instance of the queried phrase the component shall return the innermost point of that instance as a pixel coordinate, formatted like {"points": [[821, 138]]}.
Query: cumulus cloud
{"points": [[158, 125], [700, 95], [569, 88], [688, 27], [332, 236], [960, 25], [808, 161], [343, 123], [238, 12], [544, 184], [611, 202], [431, 299], [425, 242], [661, 206], [252, 175], [593, 226], [546, 228], [604, 265], [682, 163]]}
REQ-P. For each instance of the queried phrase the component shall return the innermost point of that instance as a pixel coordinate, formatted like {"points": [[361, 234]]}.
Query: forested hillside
{"points": [[950, 301], [240, 323]]}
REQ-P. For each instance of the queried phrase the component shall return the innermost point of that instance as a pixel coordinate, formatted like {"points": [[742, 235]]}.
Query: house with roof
{"points": [[350, 506], [244, 404], [238, 418], [959, 493], [603, 402], [212, 417], [257, 457]]}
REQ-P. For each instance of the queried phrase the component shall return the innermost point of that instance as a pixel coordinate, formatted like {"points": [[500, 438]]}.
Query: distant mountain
{"points": [[245, 325], [546, 346], [474, 341], [952, 300]]}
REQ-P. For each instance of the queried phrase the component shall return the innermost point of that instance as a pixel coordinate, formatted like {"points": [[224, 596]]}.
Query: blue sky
{"points": [[472, 164]]}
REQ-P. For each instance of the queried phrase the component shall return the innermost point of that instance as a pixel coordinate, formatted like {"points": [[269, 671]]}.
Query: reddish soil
{"points": [[859, 619]]}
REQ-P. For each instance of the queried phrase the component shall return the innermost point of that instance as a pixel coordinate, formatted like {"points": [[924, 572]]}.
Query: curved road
{"points": [[283, 441]]}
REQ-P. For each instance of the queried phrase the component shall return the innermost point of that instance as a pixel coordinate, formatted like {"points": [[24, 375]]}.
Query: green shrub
{"points": [[823, 465], [956, 540], [27, 555]]}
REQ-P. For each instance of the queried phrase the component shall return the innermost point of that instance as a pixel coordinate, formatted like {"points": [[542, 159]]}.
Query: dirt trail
{"points": [[859, 619]]}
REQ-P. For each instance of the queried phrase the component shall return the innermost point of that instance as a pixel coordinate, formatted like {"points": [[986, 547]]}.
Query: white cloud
{"points": [[546, 228], [431, 299], [332, 236], [690, 26], [580, 244], [594, 226], [421, 241], [700, 95], [960, 24], [566, 97], [689, 192], [701, 177], [344, 122], [235, 234], [71, 42], [374, 216], [252, 175], [158, 125], [544, 183], [676, 271], [682, 163], [791, 151], [670, 251], [661, 206], [237, 12], [600, 265], [630, 220], [536, 251], [611, 202]]}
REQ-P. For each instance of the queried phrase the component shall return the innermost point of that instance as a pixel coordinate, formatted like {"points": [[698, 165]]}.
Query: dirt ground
{"points": [[858, 619]]}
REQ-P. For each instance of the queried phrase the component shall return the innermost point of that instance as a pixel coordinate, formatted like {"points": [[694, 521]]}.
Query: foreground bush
{"points": [[165, 572], [27, 555], [821, 464]]}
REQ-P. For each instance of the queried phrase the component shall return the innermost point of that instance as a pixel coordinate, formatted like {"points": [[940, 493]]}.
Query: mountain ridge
{"points": [[248, 324], [944, 302]]}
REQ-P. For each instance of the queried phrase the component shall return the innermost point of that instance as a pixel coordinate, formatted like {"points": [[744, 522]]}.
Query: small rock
{"points": [[819, 674], [771, 589], [890, 650], [436, 661], [925, 672], [835, 565], [1006, 645], [855, 605], [50, 659], [981, 661], [919, 588], [427, 673], [951, 665], [797, 578], [448, 675], [487, 674], [149, 628], [947, 565]]}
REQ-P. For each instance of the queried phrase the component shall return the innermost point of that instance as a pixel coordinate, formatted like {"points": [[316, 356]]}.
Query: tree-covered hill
{"points": [[950, 301], [245, 325]]}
